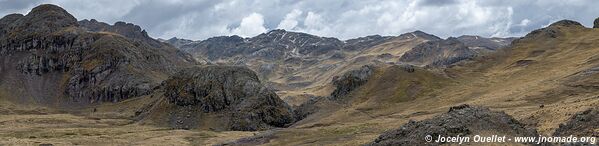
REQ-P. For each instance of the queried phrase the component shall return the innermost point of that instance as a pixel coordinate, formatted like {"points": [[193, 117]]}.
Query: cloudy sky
{"points": [[201, 19]]}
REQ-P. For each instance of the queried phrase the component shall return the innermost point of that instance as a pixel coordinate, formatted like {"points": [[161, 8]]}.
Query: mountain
{"points": [[176, 42], [438, 53], [296, 64], [543, 83], [69, 82], [50, 59], [217, 98]]}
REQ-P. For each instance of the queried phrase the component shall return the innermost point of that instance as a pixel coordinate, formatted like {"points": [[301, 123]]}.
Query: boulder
{"points": [[463, 120]]}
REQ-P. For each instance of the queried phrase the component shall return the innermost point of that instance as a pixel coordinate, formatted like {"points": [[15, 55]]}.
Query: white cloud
{"points": [[201, 19], [250, 26], [290, 21], [524, 22]]}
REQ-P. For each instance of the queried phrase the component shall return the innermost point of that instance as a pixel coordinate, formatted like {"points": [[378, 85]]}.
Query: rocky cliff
{"points": [[49, 59], [221, 98]]}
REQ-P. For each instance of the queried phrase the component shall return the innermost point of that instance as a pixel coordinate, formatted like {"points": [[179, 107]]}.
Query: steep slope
{"points": [[127, 30], [542, 80], [438, 53], [48, 59], [299, 64], [217, 98], [176, 42]]}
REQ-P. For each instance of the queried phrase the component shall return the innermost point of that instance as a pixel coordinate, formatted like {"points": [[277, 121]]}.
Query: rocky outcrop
{"points": [[233, 93], [584, 123], [350, 80], [438, 53], [129, 30], [47, 46], [596, 23], [463, 120]]}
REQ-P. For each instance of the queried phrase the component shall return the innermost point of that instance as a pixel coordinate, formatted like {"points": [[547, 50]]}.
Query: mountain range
{"points": [[65, 81]]}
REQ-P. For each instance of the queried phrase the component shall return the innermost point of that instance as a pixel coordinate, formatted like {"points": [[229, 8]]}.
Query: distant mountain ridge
{"points": [[295, 60]]}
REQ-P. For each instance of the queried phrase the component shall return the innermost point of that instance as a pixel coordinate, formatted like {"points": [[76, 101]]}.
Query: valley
{"points": [[70, 82]]}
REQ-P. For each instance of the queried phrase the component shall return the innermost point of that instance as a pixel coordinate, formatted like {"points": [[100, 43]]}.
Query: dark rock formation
{"points": [[583, 123], [129, 30], [438, 53], [235, 93], [351, 80], [56, 58], [307, 108], [596, 23], [463, 120]]}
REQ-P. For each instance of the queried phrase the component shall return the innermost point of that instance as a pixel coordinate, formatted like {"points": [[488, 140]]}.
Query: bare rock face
{"points": [[582, 124], [463, 120], [233, 93], [129, 30], [351, 80], [47, 56]]}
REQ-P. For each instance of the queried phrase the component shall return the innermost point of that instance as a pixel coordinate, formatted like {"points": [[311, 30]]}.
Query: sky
{"points": [[344, 19]]}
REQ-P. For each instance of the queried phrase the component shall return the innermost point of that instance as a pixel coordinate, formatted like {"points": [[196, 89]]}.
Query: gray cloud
{"points": [[201, 19]]}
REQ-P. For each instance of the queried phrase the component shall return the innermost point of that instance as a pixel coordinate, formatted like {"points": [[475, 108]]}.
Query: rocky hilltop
{"points": [[48, 58], [218, 98]]}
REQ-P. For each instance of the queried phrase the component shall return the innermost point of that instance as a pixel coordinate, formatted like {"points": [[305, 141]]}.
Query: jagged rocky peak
{"points": [[128, 30], [596, 23], [295, 38]]}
